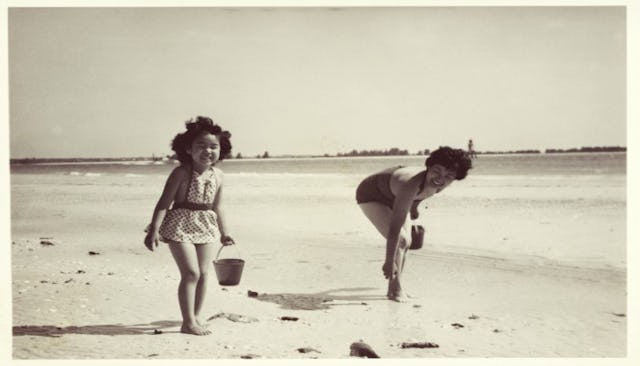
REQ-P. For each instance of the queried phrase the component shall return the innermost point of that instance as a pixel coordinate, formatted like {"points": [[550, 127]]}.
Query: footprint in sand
{"points": [[234, 317]]}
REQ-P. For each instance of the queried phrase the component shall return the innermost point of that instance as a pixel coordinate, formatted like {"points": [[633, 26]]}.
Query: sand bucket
{"points": [[228, 270], [417, 236]]}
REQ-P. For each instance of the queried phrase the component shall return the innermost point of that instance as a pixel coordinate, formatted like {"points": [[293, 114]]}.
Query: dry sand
{"points": [[120, 302]]}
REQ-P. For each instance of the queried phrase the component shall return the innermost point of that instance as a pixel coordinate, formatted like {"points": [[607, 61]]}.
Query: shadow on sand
{"points": [[107, 329], [321, 300]]}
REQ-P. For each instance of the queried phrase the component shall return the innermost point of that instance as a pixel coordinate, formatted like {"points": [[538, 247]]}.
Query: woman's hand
{"points": [[151, 240], [389, 269], [414, 212]]}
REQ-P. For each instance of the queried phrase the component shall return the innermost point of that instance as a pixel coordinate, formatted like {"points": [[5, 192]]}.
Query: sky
{"points": [[121, 82]]}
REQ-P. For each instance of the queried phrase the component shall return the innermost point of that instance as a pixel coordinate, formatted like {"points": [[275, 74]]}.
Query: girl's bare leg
{"points": [[187, 261], [205, 255]]}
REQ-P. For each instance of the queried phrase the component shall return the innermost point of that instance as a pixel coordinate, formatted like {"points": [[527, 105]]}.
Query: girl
{"points": [[195, 220], [389, 196]]}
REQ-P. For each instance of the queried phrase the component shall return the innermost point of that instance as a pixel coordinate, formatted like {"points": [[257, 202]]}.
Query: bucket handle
{"points": [[223, 246]]}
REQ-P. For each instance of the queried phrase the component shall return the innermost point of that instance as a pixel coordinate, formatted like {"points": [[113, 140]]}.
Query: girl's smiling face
{"points": [[205, 150], [439, 177]]}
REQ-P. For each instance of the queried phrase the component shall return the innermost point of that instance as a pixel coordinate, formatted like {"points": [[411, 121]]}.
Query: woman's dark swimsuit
{"points": [[377, 188]]}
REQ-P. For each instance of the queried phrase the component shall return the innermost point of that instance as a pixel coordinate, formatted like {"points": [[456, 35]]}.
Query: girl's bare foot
{"points": [[194, 329]]}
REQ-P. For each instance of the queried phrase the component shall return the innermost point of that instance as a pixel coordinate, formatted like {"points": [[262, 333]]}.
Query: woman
{"points": [[388, 197]]}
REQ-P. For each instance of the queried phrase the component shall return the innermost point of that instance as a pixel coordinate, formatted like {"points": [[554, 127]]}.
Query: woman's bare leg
{"points": [[380, 217], [395, 291], [407, 230]]}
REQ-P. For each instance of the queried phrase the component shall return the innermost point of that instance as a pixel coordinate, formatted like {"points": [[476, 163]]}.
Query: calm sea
{"points": [[518, 165]]}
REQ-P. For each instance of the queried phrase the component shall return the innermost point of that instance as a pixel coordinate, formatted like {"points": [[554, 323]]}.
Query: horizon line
{"points": [[153, 157]]}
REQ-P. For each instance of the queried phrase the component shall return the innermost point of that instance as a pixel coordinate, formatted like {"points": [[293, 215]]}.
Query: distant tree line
{"points": [[557, 151], [78, 160], [389, 152], [394, 151], [508, 152], [588, 149]]}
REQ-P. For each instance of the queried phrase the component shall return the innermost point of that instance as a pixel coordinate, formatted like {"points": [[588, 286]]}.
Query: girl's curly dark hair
{"points": [[455, 159], [196, 127]]}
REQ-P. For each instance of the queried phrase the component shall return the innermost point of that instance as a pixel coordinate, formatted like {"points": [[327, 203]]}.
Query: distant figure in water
{"points": [[470, 150], [188, 216], [392, 196]]}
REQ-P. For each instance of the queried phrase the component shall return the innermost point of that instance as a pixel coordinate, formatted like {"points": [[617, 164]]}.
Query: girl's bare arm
{"points": [[175, 179], [218, 208]]}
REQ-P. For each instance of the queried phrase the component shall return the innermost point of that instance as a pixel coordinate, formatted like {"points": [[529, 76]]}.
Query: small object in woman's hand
{"points": [[417, 237]]}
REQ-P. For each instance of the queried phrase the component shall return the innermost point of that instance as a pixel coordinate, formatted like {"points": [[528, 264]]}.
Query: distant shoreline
{"points": [[152, 160]]}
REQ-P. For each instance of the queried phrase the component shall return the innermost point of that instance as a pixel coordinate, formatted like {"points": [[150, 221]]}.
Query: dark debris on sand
{"points": [[419, 345], [289, 318], [47, 241], [361, 349], [308, 350]]}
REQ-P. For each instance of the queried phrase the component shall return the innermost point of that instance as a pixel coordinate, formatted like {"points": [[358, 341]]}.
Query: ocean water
{"points": [[497, 165], [565, 208]]}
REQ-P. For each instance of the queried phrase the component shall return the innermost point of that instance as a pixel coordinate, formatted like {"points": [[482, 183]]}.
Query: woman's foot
{"points": [[398, 297], [194, 329], [395, 292]]}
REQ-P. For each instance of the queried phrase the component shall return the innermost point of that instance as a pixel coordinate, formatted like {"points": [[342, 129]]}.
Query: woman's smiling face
{"points": [[205, 150], [439, 177]]}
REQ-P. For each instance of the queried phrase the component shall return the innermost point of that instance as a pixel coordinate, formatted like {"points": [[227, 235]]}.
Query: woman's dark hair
{"points": [[195, 128], [455, 159]]}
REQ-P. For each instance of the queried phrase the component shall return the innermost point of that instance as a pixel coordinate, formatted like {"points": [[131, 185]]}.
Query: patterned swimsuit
{"points": [[194, 221]]}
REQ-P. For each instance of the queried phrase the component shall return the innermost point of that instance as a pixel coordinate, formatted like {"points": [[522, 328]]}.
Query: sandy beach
{"points": [[85, 287]]}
